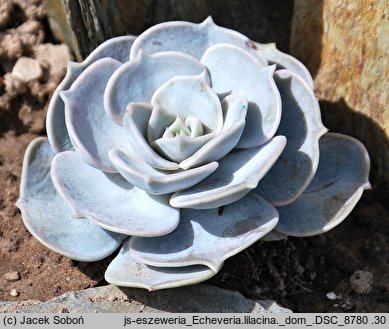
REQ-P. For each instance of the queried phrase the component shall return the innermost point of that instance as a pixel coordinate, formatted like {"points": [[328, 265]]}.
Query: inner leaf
{"points": [[192, 127]]}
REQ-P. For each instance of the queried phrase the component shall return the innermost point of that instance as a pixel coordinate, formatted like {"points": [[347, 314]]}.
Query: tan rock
{"points": [[5, 12], [11, 46], [14, 293], [27, 69], [31, 33], [30, 27], [345, 44], [13, 85], [12, 276], [361, 282], [57, 56]]}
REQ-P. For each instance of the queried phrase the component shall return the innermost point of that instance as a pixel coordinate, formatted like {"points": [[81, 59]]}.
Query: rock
{"points": [[12, 276], [30, 27], [5, 13], [361, 282], [345, 45], [33, 9], [57, 56], [13, 85], [111, 299], [31, 33], [331, 295], [11, 47], [14, 293], [27, 69]]}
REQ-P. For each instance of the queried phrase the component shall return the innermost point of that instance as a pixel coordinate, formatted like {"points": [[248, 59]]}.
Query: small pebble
{"points": [[331, 295], [347, 304], [57, 56], [5, 12], [112, 299], [27, 69], [361, 282], [12, 276], [63, 310], [30, 27], [14, 293]]}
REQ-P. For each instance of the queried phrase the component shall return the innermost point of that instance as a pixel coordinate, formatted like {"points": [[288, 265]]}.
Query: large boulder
{"points": [[345, 44]]}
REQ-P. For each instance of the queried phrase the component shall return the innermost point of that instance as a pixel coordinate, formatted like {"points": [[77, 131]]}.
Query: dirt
{"points": [[344, 270]]}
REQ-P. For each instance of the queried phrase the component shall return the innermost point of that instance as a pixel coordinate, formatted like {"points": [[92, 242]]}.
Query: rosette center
{"points": [[186, 114], [191, 127]]}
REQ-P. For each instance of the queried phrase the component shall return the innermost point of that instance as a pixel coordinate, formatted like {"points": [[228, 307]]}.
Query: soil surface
{"points": [[344, 270]]}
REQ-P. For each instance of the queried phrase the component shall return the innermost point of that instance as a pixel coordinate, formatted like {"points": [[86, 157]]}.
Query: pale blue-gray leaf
{"points": [[57, 132], [189, 96], [234, 114], [179, 148], [340, 179], [137, 80], [273, 55], [208, 237], [301, 124], [135, 124], [125, 271], [164, 123], [92, 132], [234, 109], [234, 70], [109, 200], [154, 181], [117, 48], [191, 38], [274, 235], [238, 173], [49, 219]]}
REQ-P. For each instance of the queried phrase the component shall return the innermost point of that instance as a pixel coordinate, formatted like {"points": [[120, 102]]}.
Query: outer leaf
{"points": [[208, 237], [117, 48], [301, 124], [93, 134], [109, 200], [125, 271], [48, 217], [273, 55], [340, 179], [193, 39]]}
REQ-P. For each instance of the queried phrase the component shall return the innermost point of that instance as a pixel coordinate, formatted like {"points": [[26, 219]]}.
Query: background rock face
{"points": [[85, 24], [345, 44]]}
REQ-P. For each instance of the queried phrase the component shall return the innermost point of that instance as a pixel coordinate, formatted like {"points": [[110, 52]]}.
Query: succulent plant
{"points": [[184, 146]]}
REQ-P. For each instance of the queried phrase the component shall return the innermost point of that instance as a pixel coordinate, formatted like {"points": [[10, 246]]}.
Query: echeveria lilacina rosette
{"points": [[184, 145]]}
